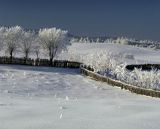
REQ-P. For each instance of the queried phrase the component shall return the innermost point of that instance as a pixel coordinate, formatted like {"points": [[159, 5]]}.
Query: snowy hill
{"points": [[139, 55]]}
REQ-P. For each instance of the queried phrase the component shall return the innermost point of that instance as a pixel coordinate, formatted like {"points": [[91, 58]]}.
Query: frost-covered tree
{"points": [[2, 32], [12, 38], [26, 43], [109, 40], [81, 40], [74, 40], [98, 40], [36, 46], [53, 41], [122, 40]]}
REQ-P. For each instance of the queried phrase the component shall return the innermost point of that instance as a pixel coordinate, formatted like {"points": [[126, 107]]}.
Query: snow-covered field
{"points": [[57, 98], [111, 59]]}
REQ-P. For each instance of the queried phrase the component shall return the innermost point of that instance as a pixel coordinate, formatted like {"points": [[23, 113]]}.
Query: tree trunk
{"points": [[26, 57], [51, 61], [51, 58], [37, 55], [11, 56]]}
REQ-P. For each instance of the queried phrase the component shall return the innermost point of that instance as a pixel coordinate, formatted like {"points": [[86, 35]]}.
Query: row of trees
{"points": [[119, 40], [51, 40]]}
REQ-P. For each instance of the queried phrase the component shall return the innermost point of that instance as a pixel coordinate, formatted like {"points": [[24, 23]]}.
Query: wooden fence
{"points": [[86, 70], [39, 62], [146, 67], [122, 85]]}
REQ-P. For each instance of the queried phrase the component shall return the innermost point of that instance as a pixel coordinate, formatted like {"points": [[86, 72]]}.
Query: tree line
{"points": [[51, 40]]}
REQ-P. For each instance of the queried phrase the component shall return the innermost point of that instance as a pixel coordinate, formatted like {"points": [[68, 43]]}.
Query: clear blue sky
{"points": [[131, 18]]}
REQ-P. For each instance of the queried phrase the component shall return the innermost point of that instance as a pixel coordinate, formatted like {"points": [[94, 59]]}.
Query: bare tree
{"points": [[36, 46], [12, 37], [2, 32], [26, 43], [53, 41]]}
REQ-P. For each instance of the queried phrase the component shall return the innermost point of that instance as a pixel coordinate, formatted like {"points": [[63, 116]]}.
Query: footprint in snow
{"points": [[61, 115], [67, 98], [62, 107]]}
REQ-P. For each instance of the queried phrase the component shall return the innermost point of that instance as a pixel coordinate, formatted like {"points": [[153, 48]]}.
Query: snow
{"points": [[60, 98], [57, 98], [111, 59], [139, 55]]}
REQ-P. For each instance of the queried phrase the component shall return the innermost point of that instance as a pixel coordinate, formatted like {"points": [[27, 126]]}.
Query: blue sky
{"points": [[132, 18]]}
